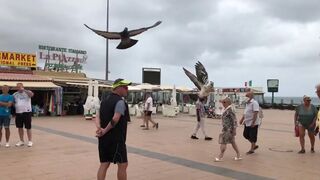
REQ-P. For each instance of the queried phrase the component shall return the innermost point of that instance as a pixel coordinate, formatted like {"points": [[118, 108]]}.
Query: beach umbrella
{"points": [[174, 96]]}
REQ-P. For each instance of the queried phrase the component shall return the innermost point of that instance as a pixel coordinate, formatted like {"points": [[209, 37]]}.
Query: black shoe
{"points": [[208, 138], [256, 147], [302, 151], [194, 137], [142, 125]]}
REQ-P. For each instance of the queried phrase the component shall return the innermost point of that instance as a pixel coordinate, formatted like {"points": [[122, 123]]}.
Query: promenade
{"points": [[65, 148]]}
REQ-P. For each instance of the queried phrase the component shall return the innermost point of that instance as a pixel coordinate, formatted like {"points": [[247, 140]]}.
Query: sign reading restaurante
{"points": [[17, 59], [62, 59]]}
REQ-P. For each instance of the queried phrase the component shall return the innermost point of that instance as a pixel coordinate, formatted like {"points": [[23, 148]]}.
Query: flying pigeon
{"points": [[201, 80], [125, 35]]}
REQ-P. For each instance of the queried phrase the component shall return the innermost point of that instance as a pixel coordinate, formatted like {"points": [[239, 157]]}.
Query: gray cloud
{"points": [[292, 10], [237, 41]]}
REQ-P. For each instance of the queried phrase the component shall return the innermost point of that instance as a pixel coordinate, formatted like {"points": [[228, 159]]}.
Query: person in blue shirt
{"points": [[6, 101]]}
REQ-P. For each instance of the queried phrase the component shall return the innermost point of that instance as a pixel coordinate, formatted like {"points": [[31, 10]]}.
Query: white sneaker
{"points": [[30, 144], [20, 143], [7, 145]]}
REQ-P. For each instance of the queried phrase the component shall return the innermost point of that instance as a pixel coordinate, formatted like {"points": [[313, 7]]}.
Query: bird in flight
{"points": [[201, 80], [126, 41]]}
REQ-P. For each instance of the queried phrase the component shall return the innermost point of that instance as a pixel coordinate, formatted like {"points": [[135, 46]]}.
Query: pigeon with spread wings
{"points": [[125, 35], [201, 80]]}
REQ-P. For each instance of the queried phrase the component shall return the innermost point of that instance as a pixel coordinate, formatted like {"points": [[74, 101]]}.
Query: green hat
{"points": [[120, 82]]}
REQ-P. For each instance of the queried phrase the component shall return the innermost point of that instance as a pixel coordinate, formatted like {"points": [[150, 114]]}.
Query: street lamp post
{"points": [[107, 43]]}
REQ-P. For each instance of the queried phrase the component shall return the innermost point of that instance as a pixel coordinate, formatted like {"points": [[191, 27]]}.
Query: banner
{"points": [[62, 59], [17, 59]]}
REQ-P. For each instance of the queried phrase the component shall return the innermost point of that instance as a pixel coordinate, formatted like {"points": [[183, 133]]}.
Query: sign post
{"points": [[273, 86]]}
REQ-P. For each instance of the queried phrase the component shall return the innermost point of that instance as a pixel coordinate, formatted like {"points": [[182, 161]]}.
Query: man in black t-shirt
{"points": [[111, 122]]}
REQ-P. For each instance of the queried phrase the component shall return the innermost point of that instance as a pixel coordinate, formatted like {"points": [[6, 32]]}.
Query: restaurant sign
{"points": [[17, 59], [62, 59]]}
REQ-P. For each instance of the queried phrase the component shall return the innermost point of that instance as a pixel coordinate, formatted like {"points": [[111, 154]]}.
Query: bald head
{"points": [[249, 94]]}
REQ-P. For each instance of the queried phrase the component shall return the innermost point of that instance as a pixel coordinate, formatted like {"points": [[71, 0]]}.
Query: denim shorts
{"points": [[4, 121]]}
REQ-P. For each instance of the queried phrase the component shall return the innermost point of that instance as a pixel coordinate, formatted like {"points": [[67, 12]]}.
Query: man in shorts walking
{"points": [[22, 102], [251, 122], [6, 101], [111, 122], [148, 112]]}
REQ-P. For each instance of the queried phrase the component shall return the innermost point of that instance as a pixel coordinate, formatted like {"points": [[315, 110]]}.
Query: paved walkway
{"points": [[65, 148]]}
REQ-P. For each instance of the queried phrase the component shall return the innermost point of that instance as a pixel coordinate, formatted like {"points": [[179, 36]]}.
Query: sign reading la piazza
{"points": [[17, 59], [62, 59]]}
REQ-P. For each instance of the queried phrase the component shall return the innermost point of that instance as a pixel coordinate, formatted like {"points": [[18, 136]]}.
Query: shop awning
{"points": [[87, 84], [29, 84]]}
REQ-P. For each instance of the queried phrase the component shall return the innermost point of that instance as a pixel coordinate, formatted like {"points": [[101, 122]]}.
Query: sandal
{"points": [[250, 152]]}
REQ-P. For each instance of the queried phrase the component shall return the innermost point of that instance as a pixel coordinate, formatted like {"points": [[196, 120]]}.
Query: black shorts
{"points": [[251, 133], [147, 113], [23, 119], [112, 152]]}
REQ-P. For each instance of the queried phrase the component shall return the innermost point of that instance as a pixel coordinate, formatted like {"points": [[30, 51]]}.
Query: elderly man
{"points": [[251, 121], [111, 131], [22, 102]]}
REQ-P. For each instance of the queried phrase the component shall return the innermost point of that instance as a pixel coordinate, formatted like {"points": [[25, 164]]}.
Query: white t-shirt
{"points": [[150, 102], [22, 102], [251, 107]]}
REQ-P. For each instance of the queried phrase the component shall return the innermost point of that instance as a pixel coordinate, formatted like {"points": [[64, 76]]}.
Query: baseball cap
{"points": [[120, 82]]}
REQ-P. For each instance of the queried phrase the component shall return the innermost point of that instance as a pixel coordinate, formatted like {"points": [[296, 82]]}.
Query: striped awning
{"points": [[29, 84]]}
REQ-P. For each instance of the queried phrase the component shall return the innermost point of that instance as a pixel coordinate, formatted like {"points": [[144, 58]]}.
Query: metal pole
{"points": [[272, 99], [107, 43]]}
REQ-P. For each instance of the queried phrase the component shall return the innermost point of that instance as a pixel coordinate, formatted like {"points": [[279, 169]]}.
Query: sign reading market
{"points": [[62, 59], [17, 59]]}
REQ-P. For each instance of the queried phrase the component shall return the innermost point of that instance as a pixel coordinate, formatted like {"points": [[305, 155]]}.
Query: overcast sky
{"points": [[236, 40]]}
